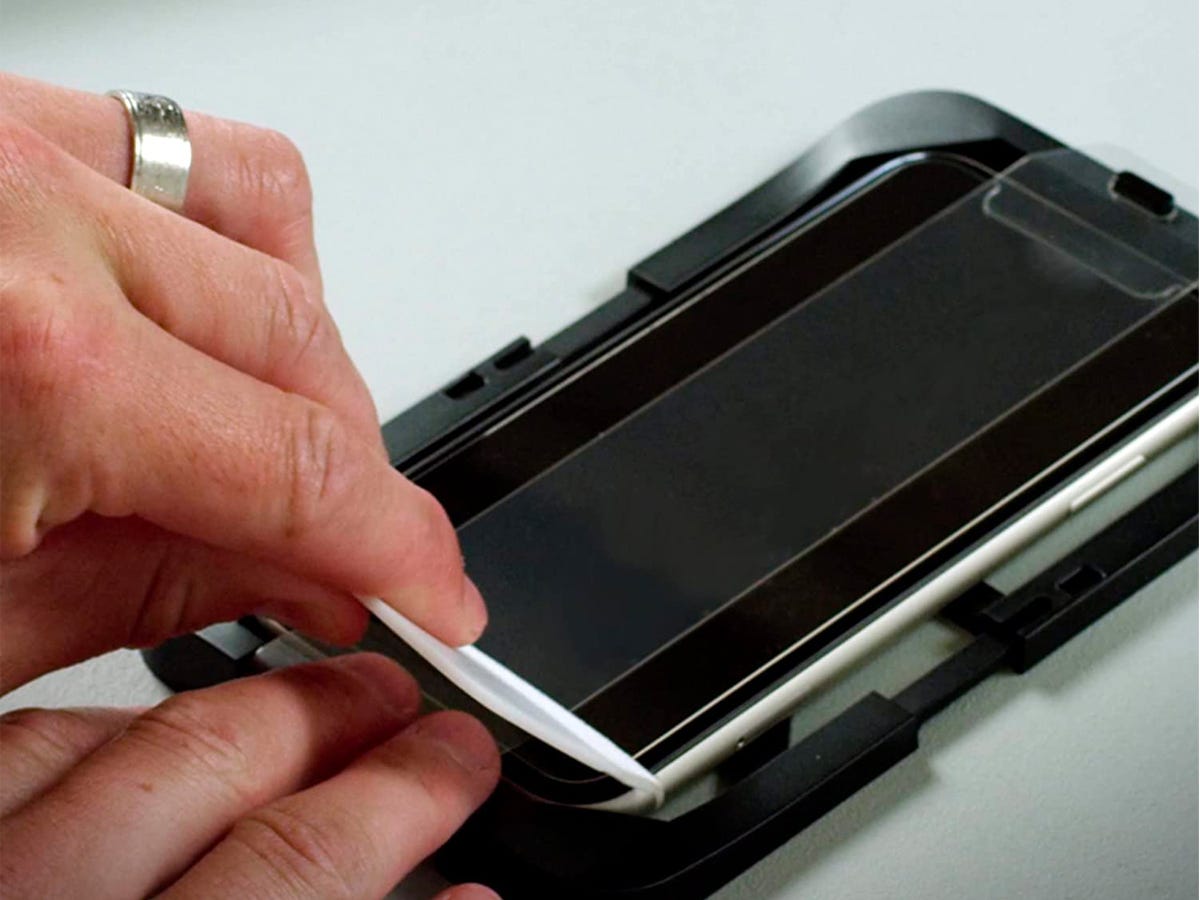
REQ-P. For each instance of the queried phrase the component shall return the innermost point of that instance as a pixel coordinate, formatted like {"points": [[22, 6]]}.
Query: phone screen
{"points": [[715, 529]]}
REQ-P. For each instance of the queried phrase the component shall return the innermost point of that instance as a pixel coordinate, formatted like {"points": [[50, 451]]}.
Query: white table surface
{"points": [[484, 170]]}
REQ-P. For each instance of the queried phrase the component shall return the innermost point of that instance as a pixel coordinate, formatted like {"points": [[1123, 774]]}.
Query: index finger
{"points": [[364, 829], [138, 809], [202, 449], [249, 184]]}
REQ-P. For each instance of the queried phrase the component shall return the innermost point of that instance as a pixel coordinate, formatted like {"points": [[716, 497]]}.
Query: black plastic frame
{"points": [[526, 847]]}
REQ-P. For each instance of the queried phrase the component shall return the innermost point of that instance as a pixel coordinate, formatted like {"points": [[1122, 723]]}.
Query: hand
{"points": [[310, 782], [185, 441], [185, 438]]}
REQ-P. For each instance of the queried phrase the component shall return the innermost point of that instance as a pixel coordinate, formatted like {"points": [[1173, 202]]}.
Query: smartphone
{"points": [[815, 448]]}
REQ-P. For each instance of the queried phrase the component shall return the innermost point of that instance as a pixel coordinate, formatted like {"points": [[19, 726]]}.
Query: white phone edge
{"points": [[921, 604]]}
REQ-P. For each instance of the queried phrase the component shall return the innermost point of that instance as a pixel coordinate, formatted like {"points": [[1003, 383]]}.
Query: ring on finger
{"points": [[162, 153]]}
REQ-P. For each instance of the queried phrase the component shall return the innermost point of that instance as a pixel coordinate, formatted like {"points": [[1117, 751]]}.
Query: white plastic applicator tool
{"points": [[517, 701]]}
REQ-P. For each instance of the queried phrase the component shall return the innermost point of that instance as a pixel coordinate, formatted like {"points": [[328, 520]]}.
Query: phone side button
{"points": [[1112, 479]]}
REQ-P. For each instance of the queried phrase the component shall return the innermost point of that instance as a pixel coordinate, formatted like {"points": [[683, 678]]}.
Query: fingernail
{"points": [[474, 610], [462, 738]]}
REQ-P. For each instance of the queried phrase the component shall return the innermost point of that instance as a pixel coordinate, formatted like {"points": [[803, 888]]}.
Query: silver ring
{"points": [[162, 153]]}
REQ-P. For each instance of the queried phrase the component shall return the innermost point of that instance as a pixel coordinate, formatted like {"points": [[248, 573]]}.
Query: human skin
{"points": [[186, 441]]}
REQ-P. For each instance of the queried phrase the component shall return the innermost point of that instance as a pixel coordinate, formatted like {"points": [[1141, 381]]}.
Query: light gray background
{"points": [[484, 170]]}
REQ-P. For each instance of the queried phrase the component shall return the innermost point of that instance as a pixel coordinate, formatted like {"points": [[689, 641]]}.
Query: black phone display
{"points": [[722, 497]]}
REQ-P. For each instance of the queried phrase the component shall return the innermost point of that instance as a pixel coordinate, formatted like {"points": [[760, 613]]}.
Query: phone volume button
{"points": [[1106, 482]]}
